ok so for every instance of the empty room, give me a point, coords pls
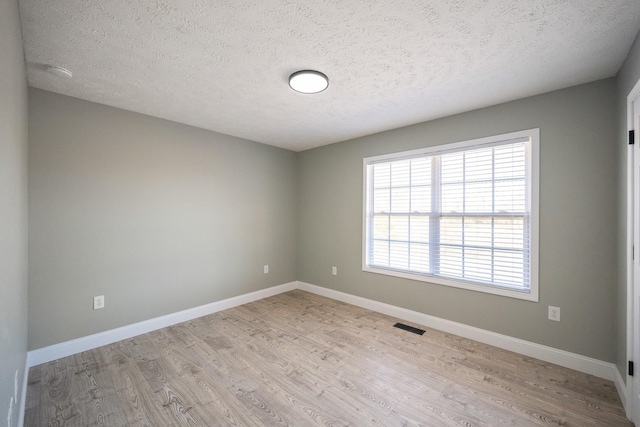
(400, 213)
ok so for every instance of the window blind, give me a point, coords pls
(462, 214)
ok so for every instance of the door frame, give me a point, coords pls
(633, 97)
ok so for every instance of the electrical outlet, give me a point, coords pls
(98, 302)
(554, 313)
(266, 269)
(334, 271)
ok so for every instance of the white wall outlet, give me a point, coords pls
(98, 302)
(554, 313)
(266, 269)
(334, 271)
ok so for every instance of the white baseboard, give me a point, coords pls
(67, 348)
(574, 361)
(23, 393)
(622, 390)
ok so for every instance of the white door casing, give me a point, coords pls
(633, 273)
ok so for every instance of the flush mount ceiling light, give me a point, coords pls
(59, 71)
(308, 81)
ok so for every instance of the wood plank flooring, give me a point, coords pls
(298, 359)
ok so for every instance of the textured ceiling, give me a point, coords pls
(223, 65)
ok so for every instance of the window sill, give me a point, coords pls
(530, 295)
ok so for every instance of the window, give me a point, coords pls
(462, 214)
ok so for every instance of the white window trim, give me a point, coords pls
(533, 293)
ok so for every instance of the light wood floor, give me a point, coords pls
(301, 360)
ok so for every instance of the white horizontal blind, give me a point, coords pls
(462, 214)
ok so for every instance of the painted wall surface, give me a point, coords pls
(156, 216)
(578, 220)
(627, 78)
(13, 211)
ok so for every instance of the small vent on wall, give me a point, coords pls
(409, 328)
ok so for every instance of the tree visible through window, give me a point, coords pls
(460, 214)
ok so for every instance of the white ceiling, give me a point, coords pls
(223, 65)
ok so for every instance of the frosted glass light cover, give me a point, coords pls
(308, 81)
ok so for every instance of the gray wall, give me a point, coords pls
(13, 209)
(578, 214)
(156, 216)
(627, 78)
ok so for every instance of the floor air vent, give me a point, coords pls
(409, 328)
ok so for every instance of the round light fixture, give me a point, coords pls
(308, 81)
(59, 71)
